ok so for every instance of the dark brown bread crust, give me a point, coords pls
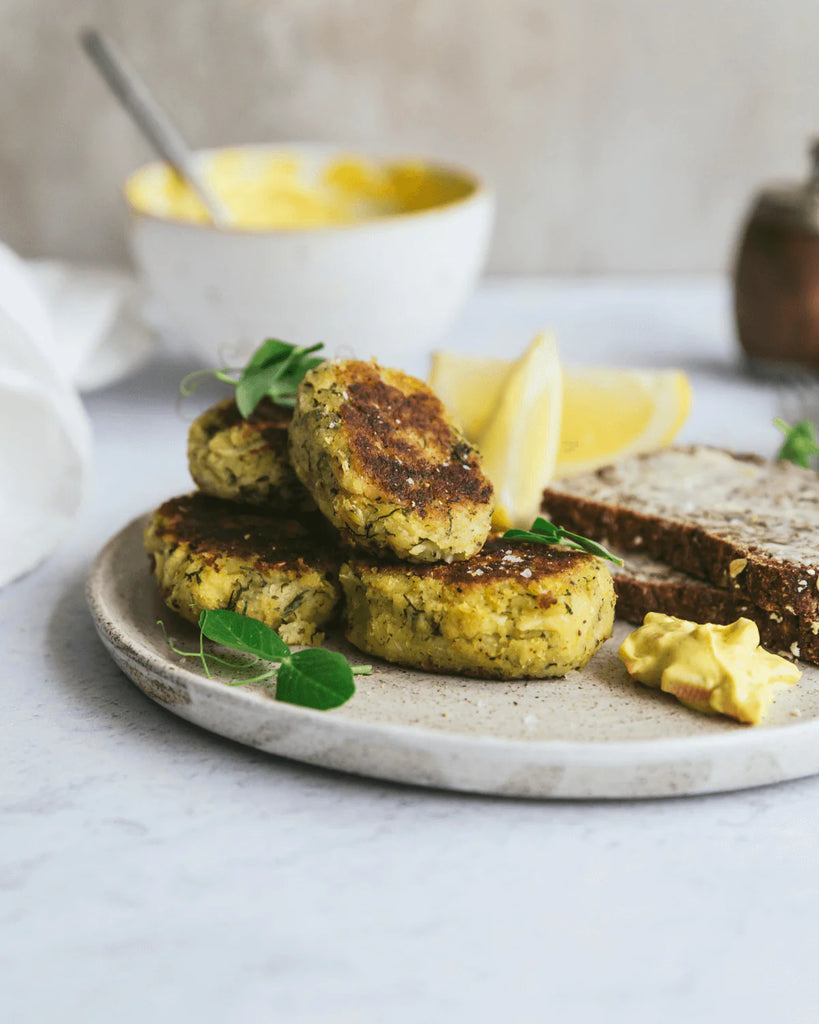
(642, 586)
(714, 553)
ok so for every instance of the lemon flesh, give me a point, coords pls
(470, 387)
(609, 414)
(510, 410)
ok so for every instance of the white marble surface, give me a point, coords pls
(152, 871)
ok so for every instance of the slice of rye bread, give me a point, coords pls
(643, 585)
(739, 522)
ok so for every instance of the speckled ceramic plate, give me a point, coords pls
(592, 734)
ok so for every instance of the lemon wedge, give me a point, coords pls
(531, 427)
(470, 387)
(520, 437)
(609, 414)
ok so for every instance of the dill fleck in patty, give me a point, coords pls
(207, 553)
(245, 459)
(377, 452)
(523, 611)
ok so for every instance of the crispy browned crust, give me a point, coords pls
(246, 459)
(497, 560)
(768, 582)
(401, 440)
(215, 529)
(511, 611)
(376, 451)
(674, 593)
(267, 424)
(207, 553)
(268, 419)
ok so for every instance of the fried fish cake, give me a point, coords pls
(523, 611)
(383, 462)
(207, 553)
(245, 459)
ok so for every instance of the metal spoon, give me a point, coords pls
(152, 121)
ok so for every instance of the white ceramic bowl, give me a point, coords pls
(387, 287)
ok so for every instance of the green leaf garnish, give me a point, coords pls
(312, 678)
(274, 371)
(800, 444)
(268, 352)
(315, 678)
(231, 629)
(544, 532)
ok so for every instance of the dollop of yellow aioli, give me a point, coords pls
(707, 667)
(265, 191)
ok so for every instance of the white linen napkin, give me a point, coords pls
(45, 437)
(62, 328)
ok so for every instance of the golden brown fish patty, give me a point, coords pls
(509, 612)
(245, 459)
(207, 553)
(383, 462)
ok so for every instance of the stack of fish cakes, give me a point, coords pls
(250, 539)
(424, 583)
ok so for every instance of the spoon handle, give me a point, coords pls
(149, 117)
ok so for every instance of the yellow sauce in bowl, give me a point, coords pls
(281, 190)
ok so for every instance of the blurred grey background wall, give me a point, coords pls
(622, 135)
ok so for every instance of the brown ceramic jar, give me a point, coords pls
(776, 277)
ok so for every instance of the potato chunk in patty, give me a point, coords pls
(377, 452)
(523, 611)
(207, 553)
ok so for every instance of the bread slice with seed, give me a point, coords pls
(643, 585)
(739, 522)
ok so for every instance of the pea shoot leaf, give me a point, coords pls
(250, 390)
(274, 371)
(800, 444)
(270, 351)
(315, 678)
(242, 633)
(544, 532)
